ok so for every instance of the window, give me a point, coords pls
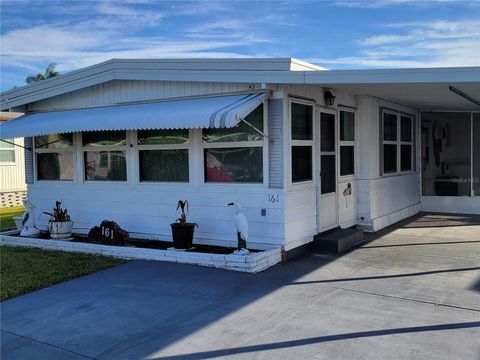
(476, 153)
(450, 153)
(7, 151)
(235, 154)
(163, 155)
(389, 143)
(302, 141)
(347, 143)
(301, 163)
(397, 142)
(327, 153)
(406, 143)
(54, 157)
(105, 155)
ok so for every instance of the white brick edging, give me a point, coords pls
(250, 263)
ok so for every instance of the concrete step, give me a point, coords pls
(338, 240)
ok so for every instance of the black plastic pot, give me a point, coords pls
(183, 235)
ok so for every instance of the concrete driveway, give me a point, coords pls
(412, 292)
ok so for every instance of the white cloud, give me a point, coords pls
(189, 8)
(84, 44)
(81, 33)
(226, 29)
(436, 43)
(415, 31)
(128, 13)
(385, 39)
(376, 4)
(355, 62)
(115, 30)
(120, 29)
(47, 39)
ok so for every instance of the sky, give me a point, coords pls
(336, 34)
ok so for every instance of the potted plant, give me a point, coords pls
(60, 225)
(182, 232)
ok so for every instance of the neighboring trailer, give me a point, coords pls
(12, 167)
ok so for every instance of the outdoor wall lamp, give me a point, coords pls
(329, 98)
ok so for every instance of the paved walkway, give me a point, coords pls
(413, 292)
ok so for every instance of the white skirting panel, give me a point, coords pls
(390, 219)
(451, 204)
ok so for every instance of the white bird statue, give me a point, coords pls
(241, 223)
(28, 219)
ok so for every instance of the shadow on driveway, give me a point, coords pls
(317, 340)
(152, 310)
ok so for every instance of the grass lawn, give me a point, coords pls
(24, 270)
(6, 214)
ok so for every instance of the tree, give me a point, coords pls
(49, 73)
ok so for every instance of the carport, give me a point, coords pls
(448, 105)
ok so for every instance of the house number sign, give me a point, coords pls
(273, 198)
(109, 232)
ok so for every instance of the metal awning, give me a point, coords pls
(206, 112)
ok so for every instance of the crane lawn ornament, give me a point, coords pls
(28, 219)
(241, 223)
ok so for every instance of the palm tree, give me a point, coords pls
(49, 73)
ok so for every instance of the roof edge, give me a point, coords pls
(243, 70)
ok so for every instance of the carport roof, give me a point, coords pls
(421, 88)
(420, 96)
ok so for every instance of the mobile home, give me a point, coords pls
(12, 167)
(303, 149)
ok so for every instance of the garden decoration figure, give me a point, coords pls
(241, 223)
(28, 219)
(347, 192)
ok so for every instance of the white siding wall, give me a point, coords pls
(301, 199)
(383, 200)
(276, 148)
(29, 168)
(119, 91)
(347, 205)
(146, 210)
(300, 216)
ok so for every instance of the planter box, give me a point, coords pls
(182, 235)
(250, 263)
(60, 230)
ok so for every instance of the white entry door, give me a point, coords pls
(327, 184)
